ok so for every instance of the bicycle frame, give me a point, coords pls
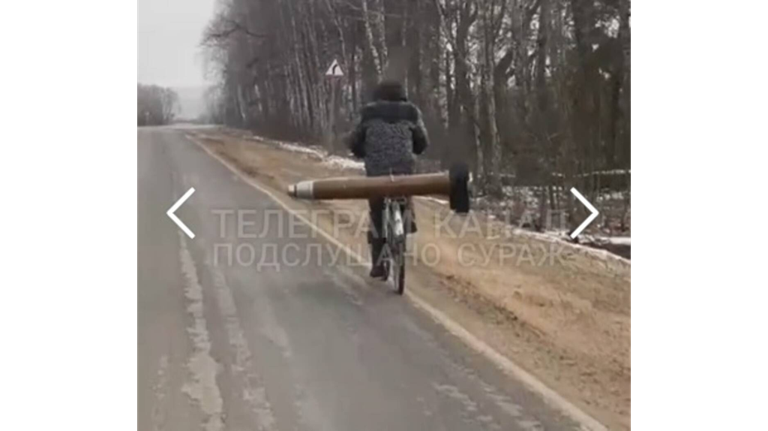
(393, 225)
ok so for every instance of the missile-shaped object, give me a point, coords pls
(454, 184)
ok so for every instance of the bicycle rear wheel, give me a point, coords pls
(398, 267)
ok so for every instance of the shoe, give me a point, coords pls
(413, 227)
(378, 271)
(377, 266)
(411, 219)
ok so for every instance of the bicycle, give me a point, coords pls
(394, 233)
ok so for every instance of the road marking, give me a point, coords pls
(161, 391)
(593, 212)
(203, 389)
(176, 206)
(551, 397)
(455, 393)
(254, 393)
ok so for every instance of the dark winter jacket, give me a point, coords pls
(387, 136)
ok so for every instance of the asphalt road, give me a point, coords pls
(227, 344)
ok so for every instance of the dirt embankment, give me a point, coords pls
(560, 313)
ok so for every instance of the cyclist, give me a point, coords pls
(389, 133)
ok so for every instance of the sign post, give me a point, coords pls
(335, 74)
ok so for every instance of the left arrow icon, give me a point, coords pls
(176, 206)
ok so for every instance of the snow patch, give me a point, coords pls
(561, 239)
(300, 149)
(343, 163)
(433, 199)
(619, 240)
(330, 160)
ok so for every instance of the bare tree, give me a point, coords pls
(156, 105)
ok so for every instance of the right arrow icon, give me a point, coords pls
(591, 209)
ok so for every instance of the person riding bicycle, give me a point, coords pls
(389, 133)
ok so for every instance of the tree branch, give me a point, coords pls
(247, 31)
(473, 14)
(500, 19)
(235, 27)
(531, 9)
(506, 61)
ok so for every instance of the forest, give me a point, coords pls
(532, 93)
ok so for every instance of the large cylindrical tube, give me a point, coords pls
(454, 184)
(372, 187)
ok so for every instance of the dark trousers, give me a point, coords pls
(376, 209)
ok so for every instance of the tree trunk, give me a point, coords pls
(369, 40)
(490, 149)
(624, 153)
(380, 35)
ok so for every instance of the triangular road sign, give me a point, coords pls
(334, 70)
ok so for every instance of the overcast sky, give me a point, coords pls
(169, 38)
